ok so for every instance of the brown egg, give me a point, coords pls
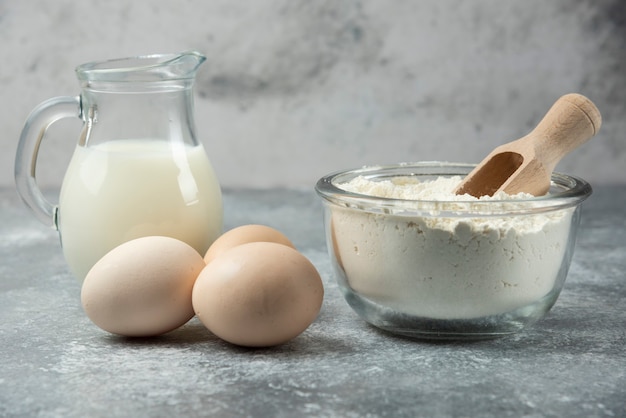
(243, 235)
(142, 287)
(258, 294)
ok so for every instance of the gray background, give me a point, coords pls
(293, 89)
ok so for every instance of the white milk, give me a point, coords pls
(120, 190)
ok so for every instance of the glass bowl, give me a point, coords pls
(449, 269)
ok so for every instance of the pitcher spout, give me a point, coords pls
(184, 65)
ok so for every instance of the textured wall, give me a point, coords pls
(294, 89)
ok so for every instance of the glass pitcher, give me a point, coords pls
(138, 168)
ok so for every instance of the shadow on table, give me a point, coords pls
(194, 336)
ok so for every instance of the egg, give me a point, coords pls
(258, 294)
(245, 234)
(142, 287)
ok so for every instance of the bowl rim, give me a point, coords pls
(565, 191)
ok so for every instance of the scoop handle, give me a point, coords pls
(570, 122)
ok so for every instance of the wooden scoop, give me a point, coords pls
(526, 165)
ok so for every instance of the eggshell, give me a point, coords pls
(258, 294)
(243, 235)
(142, 287)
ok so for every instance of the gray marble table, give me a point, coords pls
(55, 363)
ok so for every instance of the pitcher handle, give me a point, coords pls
(33, 133)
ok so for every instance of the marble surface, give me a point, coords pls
(306, 87)
(55, 363)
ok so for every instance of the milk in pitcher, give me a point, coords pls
(119, 190)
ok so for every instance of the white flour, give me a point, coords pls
(454, 267)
